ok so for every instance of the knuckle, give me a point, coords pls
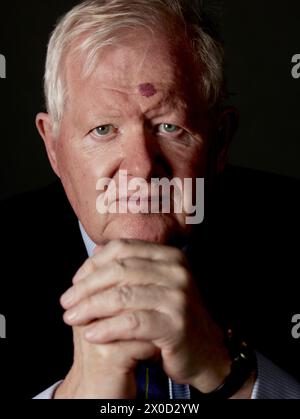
(133, 321)
(178, 255)
(180, 323)
(90, 264)
(89, 304)
(124, 296)
(180, 310)
(118, 266)
(88, 287)
(119, 244)
(106, 352)
(113, 246)
(180, 272)
(80, 291)
(180, 300)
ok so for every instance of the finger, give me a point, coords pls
(139, 325)
(128, 353)
(87, 266)
(121, 249)
(139, 350)
(98, 249)
(123, 353)
(115, 300)
(123, 272)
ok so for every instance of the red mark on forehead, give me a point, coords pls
(147, 89)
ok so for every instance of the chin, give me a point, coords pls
(155, 228)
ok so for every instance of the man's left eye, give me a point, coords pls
(169, 129)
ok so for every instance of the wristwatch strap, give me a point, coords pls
(243, 365)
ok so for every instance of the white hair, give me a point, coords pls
(101, 23)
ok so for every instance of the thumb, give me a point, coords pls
(85, 270)
(98, 249)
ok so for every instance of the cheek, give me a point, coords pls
(71, 167)
(75, 166)
(78, 177)
(80, 170)
(189, 162)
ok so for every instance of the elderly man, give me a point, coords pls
(136, 87)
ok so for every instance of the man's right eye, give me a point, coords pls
(104, 130)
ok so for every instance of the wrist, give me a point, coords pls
(216, 368)
(238, 382)
(103, 385)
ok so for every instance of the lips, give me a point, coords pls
(139, 198)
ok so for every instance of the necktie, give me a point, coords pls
(152, 382)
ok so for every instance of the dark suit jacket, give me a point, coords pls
(245, 257)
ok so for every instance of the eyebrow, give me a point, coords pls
(164, 106)
(171, 101)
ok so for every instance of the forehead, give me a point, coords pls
(139, 62)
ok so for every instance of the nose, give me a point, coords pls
(140, 154)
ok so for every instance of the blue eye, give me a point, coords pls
(104, 130)
(168, 128)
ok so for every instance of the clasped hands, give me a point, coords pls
(132, 301)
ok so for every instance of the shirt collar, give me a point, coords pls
(89, 244)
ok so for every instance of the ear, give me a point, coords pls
(44, 125)
(226, 128)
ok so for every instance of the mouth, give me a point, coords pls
(145, 199)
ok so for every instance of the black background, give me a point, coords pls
(260, 37)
